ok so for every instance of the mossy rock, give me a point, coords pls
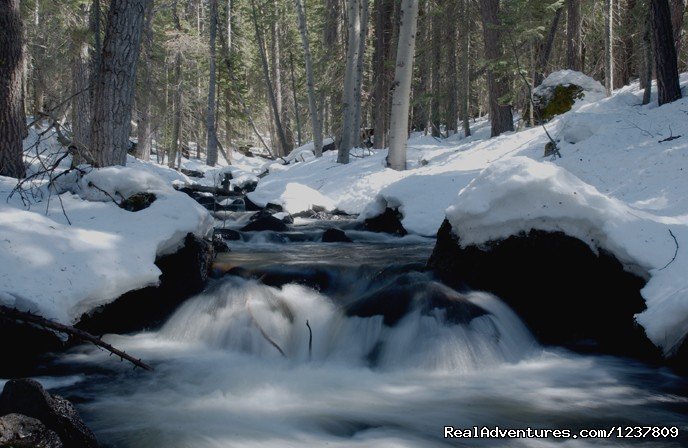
(558, 101)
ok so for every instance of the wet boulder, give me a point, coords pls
(414, 291)
(566, 293)
(335, 236)
(20, 431)
(27, 397)
(227, 234)
(265, 223)
(387, 222)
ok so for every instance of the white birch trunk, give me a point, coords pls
(312, 106)
(348, 106)
(401, 97)
(609, 45)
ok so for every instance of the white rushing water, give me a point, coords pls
(220, 382)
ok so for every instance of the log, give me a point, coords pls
(218, 191)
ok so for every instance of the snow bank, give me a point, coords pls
(620, 158)
(61, 270)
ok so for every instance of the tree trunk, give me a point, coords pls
(211, 125)
(348, 97)
(398, 136)
(573, 35)
(466, 57)
(498, 83)
(435, 24)
(646, 75)
(114, 89)
(268, 84)
(454, 84)
(678, 10)
(365, 16)
(295, 96)
(81, 103)
(609, 46)
(668, 87)
(11, 108)
(176, 97)
(546, 49)
(312, 100)
(384, 12)
(145, 125)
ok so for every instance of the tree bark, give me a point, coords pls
(454, 81)
(11, 107)
(466, 57)
(398, 136)
(384, 13)
(81, 103)
(349, 93)
(498, 83)
(678, 10)
(573, 35)
(435, 24)
(646, 75)
(266, 73)
(365, 16)
(211, 125)
(668, 88)
(609, 46)
(312, 100)
(145, 125)
(546, 49)
(114, 89)
(177, 96)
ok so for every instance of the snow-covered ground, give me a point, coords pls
(621, 185)
(61, 270)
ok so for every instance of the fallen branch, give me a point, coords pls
(218, 191)
(35, 319)
(310, 340)
(675, 252)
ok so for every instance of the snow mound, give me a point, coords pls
(593, 90)
(62, 270)
(518, 194)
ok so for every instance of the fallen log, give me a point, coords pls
(13, 313)
(217, 191)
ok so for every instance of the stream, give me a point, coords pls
(358, 369)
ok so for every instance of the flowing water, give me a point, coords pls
(356, 369)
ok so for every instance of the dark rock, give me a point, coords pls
(206, 201)
(329, 147)
(388, 222)
(316, 278)
(395, 298)
(264, 223)
(137, 202)
(564, 292)
(273, 208)
(184, 274)
(219, 245)
(335, 236)
(227, 234)
(679, 360)
(288, 219)
(20, 431)
(251, 206)
(27, 397)
(248, 187)
(226, 178)
(192, 173)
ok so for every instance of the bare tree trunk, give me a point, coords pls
(466, 58)
(114, 89)
(211, 125)
(678, 10)
(546, 49)
(365, 16)
(11, 108)
(398, 136)
(268, 84)
(668, 88)
(348, 97)
(646, 75)
(81, 103)
(176, 97)
(609, 46)
(454, 81)
(384, 12)
(145, 125)
(435, 24)
(312, 104)
(498, 83)
(294, 91)
(573, 35)
(96, 16)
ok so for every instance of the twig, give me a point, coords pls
(671, 136)
(14, 313)
(310, 340)
(91, 184)
(675, 253)
(262, 332)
